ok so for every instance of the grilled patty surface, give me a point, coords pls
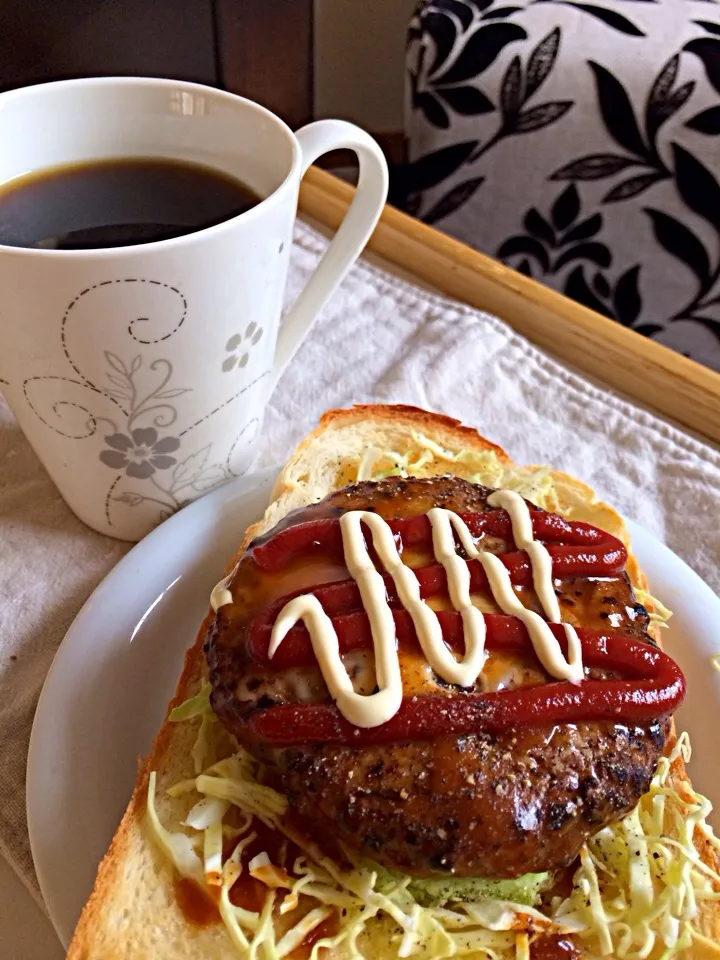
(479, 805)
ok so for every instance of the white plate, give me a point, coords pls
(106, 692)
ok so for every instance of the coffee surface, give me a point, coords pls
(117, 203)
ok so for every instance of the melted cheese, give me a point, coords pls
(370, 711)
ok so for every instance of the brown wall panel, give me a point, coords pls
(266, 50)
(53, 39)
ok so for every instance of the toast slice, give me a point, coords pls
(134, 910)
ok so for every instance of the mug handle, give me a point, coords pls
(352, 235)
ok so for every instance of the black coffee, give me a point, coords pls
(117, 203)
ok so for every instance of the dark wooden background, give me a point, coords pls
(258, 48)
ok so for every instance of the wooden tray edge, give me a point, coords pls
(641, 368)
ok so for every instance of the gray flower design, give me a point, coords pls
(141, 453)
(238, 346)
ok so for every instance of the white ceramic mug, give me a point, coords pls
(139, 374)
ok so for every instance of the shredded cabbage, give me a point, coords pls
(439, 890)
(428, 458)
(207, 811)
(176, 845)
(364, 470)
(295, 936)
(202, 751)
(193, 707)
(212, 853)
(251, 797)
(640, 882)
(659, 615)
(635, 894)
(423, 919)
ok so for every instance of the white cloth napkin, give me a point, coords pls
(379, 339)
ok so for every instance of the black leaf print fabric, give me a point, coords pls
(595, 167)
(433, 110)
(617, 111)
(481, 49)
(631, 187)
(707, 121)
(665, 82)
(578, 141)
(512, 117)
(681, 243)
(566, 208)
(558, 240)
(577, 287)
(541, 61)
(537, 226)
(708, 50)
(529, 246)
(453, 199)
(661, 112)
(437, 166)
(708, 26)
(584, 230)
(593, 252)
(501, 13)
(466, 100)
(443, 32)
(610, 17)
(620, 121)
(626, 297)
(697, 186)
(454, 47)
(542, 116)
(463, 11)
(511, 91)
(663, 101)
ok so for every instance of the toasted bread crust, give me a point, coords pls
(98, 935)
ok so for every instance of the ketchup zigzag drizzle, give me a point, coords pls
(655, 688)
(654, 685)
(585, 550)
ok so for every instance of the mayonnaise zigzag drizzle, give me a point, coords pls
(221, 595)
(377, 708)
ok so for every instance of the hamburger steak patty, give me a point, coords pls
(476, 806)
(479, 805)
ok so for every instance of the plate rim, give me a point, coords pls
(208, 504)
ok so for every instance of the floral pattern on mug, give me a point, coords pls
(141, 453)
(144, 453)
(239, 345)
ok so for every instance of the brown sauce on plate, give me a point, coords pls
(328, 928)
(556, 948)
(196, 904)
